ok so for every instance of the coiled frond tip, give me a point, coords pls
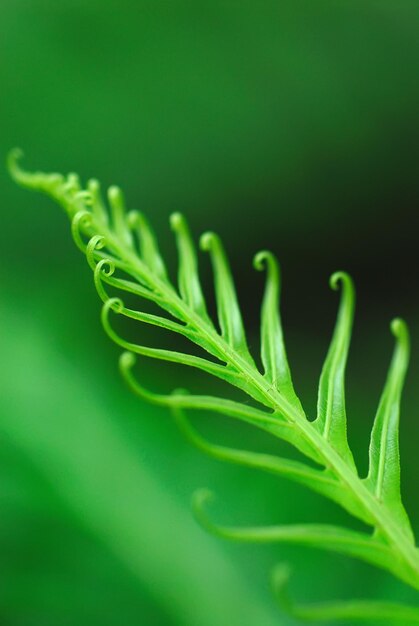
(340, 277)
(127, 361)
(264, 259)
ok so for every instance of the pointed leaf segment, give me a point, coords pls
(331, 412)
(384, 468)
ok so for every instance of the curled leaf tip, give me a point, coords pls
(80, 224)
(200, 499)
(208, 240)
(97, 242)
(13, 158)
(93, 185)
(114, 193)
(134, 219)
(341, 278)
(114, 304)
(32, 180)
(15, 154)
(399, 329)
(20, 175)
(127, 361)
(264, 259)
(177, 221)
(73, 180)
(106, 267)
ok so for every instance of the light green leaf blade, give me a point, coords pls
(331, 411)
(98, 205)
(48, 183)
(149, 250)
(228, 309)
(119, 216)
(188, 278)
(273, 353)
(384, 456)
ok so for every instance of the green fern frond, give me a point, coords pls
(350, 611)
(122, 251)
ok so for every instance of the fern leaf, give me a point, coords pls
(229, 315)
(122, 251)
(97, 203)
(331, 412)
(273, 353)
(119, 219)
(148, 248)
(384, 467)
(189, 284)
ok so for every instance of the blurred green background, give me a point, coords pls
(291, 125)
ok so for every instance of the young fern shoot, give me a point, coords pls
(123, 254)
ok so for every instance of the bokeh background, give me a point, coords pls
(289, 124)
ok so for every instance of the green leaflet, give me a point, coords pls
(149, 250)
(97, 203)
(189, 285)
(384, 467)
(119, 219)
(331, 412)
(48, 183)
(123, 254)
(229, 315)
(273, 352)
(354, 610)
